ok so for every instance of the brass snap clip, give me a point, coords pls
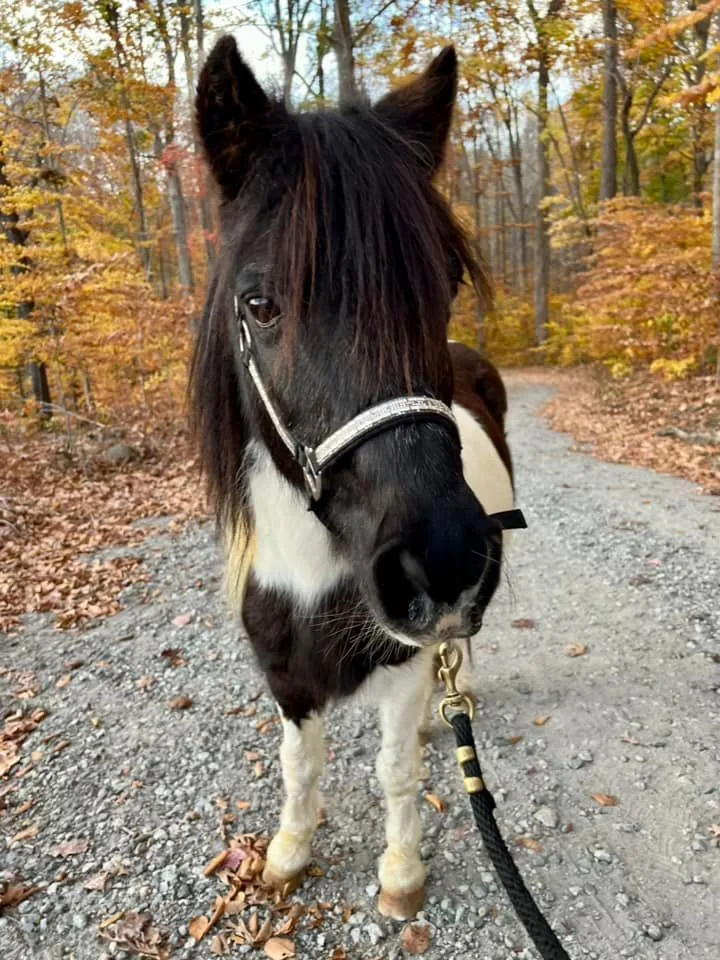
(450, 662)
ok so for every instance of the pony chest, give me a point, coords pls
(293, 552)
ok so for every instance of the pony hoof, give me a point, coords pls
(284, 885)
(401, 906)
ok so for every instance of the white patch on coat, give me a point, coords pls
(484, 471)
(302, 756)
(293, 552)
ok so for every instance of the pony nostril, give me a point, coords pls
(402, 585)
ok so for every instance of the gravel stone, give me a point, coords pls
(547, 816)
(647, 676)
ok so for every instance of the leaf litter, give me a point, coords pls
(249, 911)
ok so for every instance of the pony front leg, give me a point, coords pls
(402, 712)
(302, 755)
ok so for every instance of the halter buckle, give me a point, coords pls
(312, 473)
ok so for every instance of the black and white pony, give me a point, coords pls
(353, 454)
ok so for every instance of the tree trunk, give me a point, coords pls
(174, 183)
(37, 372)
(343, 43)
(542, 225)
(716, 193)
(608, 177)
(177, 212)
(206, 219)
(18, 236)
(631, 177)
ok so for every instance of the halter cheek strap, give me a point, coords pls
(315, 461)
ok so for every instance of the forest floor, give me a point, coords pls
(136, 749)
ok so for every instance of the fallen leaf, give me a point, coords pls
(243, 804)
(25, 834)
(180, 703)
(216, 863)
(219, 945)
(198, 927)
(249, 711)
(291, 921)
(24, 807)
(523, 623)
(529, 843)
(415, 938)
(98, 881)
(70, 849)
(541, 721)
(576, 649)
(263, 726)
(183, 620)
(437, 803)
(339, 953)
(144, 683)
(259, 769)
(605, 799)
(174, 655)
(251, 755)
(109, 921)
(64, 681)
(514, 739)
(279, 948)
(13, 894)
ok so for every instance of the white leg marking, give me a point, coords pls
(302, 755)
(402, 710)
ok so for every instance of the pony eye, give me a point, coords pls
(263, 311)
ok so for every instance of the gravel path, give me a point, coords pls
(618, 559)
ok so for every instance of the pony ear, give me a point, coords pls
(422, 110)
(233, 115)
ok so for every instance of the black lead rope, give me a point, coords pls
(483, 805)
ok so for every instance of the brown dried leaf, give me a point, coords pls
(145, 682)
(252, 755)
(28, 833)
(264, 933)
(529, 843)
(98, 881)
(216, 863)
(514, 739)
(243, 804)
(523, 623)
(259, 769)
(291, 921)
(415, 938)
(64, 681)
(13, 894)
(279, 948)
(605, 799)
(183, 620)
(339, 953)
(576, 649)
(180, 703)
(70, 849)
(541, 721)
(219, 945)
(436, 802)
(174, 655)
(198, 927)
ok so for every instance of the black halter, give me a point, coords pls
(315, 461)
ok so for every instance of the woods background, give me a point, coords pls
(581, 161)
(585, 162)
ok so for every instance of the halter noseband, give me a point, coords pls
(315, 461)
